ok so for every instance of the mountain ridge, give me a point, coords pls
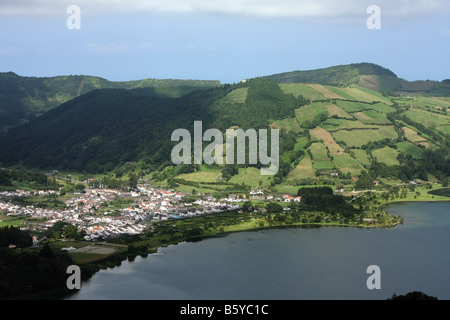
(324, 128)
(25, 98)
(368, 75)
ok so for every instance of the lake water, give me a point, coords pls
(293, 263)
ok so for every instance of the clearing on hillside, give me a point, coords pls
(347, 164)
(301, 89)
(335, 110)
(320, 157)
(204, 175)
(387, 155)
(361, 156)
(327, 139)
(360, 137)
(250, 176)
(303, 170)
(238, 95)
(289, 124)
(412, 135)
(411, 148)
(327, 93)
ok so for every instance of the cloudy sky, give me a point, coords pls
(226, 40)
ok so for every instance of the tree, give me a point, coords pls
(247, 206)
(80, 187)
(414, 295)
(274, 207)
(132, 180)
(365, 181)
(12, 235)
(70, 231)
(46, 251)
(228, 171)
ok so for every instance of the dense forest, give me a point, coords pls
(25, 98)
(29, 270)
(104, 129)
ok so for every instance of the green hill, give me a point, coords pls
(25, 98)
(366, 75)
(331, 129)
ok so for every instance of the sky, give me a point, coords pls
(225, 40)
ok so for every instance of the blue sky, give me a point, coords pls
(226, 40)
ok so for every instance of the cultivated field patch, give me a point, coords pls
(335, 110)
(238, 95)
(360, 137)
(320, 157)
(387, 155)
(303, 170)
(327, 93)
(347, 164)
(327, 139)
(412, 135)
(301, 89)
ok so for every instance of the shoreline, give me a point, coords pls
(107, 262)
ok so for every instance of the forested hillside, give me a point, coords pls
(345, 130)
(25, 98)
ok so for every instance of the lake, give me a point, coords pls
(293, 263)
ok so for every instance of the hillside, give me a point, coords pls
(331, 134)
(344, 131)
(367, 75)
(25, 98)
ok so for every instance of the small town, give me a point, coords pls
(146, 204)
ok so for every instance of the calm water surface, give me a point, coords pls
(293, 263)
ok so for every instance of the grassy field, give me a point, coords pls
(307, 113)
(11, 221)
(325, 91)
(412, 135)
(87, 252)
(364, 95)
(351, 107)
(428, 119)
(320, 157)
(289, 124)
(371, 117)
(387, 155)
(301, 89)
(347, 164)
(251, 177)
(334, 124)
(236, 96)
(206, 174)
(373, 95)
(339, 112)
(303, 170)
(361, 156)
(328, 140)
(409, 148)
(301, 143)
(360, 137)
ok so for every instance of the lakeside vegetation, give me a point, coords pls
(320, 208)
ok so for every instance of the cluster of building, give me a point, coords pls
(96, 213)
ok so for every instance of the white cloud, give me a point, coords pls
(303, 9)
